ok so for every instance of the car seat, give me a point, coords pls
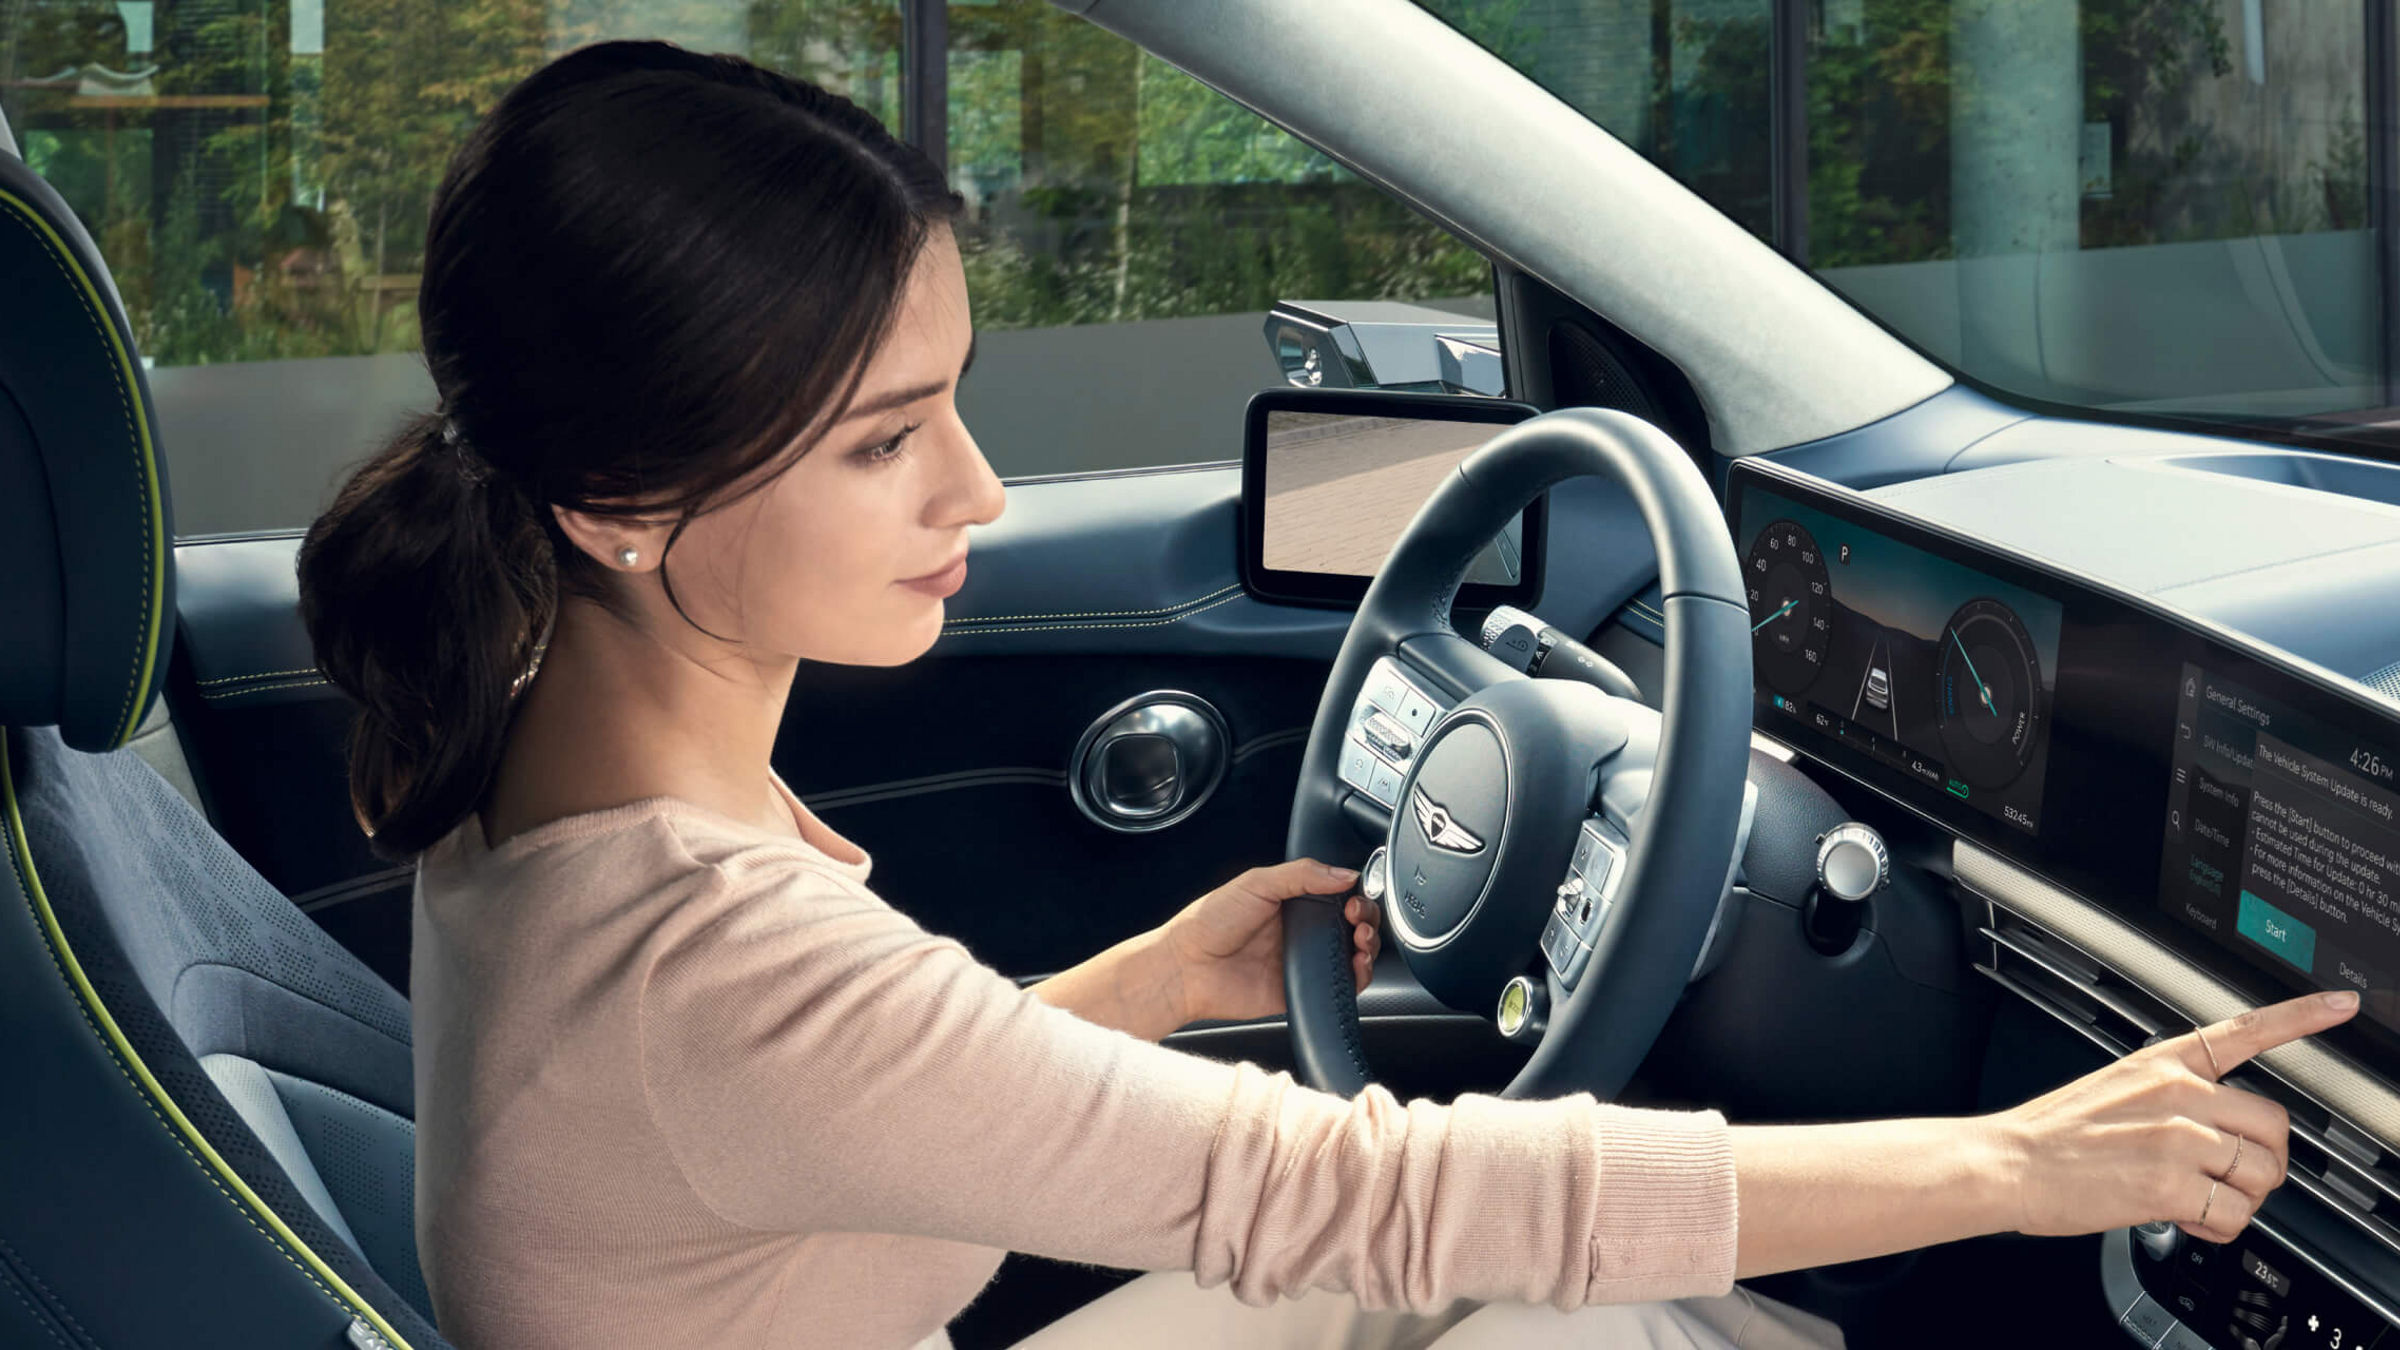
(206, 1139)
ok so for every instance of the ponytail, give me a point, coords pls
(427, 590)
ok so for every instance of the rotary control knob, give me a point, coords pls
(1852, 863)
(2159, 1240)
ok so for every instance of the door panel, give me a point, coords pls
(960, 794)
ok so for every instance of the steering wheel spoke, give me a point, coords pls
(1459, 666)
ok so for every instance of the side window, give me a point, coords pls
(1131, 230)
(258, 173)
(1684, 82)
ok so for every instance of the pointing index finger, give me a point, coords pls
(2243, 1037)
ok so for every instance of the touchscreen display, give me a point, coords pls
(2281, 840)
(1935, 669)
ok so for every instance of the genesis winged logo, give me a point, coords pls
(1442, 830)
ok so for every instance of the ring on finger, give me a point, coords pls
(2240, 1142)
(2202, 1221)
(2200, 1034)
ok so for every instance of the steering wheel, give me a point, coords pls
(1529, 807)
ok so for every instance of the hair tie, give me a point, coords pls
(472, 467)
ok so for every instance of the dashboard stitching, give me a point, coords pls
(1061, 627)
(969, 620)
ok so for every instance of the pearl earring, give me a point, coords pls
(629, 555)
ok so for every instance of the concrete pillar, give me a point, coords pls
(2016, 113)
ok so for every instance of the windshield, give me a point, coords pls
(2146, 208)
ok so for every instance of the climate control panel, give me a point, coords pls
(2257, 1292)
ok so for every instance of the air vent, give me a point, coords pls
(2332, 1159)
(2053, 975)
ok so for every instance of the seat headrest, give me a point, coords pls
(87, 572)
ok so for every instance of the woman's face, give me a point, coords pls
(846, 556)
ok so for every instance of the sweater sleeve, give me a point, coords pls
(815, 1061)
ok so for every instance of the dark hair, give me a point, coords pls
(648, 273)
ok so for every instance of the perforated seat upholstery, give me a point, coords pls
(205, 1138)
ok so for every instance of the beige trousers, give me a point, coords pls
(1168, 1309)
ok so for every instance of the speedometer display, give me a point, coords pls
(1791, 606)
(1882, 651)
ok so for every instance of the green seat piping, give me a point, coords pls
(154, 525)
(179, 1126)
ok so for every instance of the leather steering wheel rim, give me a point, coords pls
(1684, 837)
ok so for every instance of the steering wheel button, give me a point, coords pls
(1384, 785)
(1416, 711)
(1390, 739)
(1572, 957)
(1385, 688)
(1358, 767)
(1595, 872)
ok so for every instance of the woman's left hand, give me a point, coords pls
(1228, 944)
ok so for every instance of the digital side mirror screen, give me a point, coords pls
(1330, 479)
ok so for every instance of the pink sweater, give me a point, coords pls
(684, 1081)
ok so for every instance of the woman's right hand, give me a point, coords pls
(2146, 1138)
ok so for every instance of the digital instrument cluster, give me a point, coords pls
(2235, 804)
(1932, 668)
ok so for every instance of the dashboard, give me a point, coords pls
(2231, 802)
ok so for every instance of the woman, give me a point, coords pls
(682, 1079)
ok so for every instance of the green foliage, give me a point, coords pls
(1878, 137)
(1105, 184)
(1190, 133)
